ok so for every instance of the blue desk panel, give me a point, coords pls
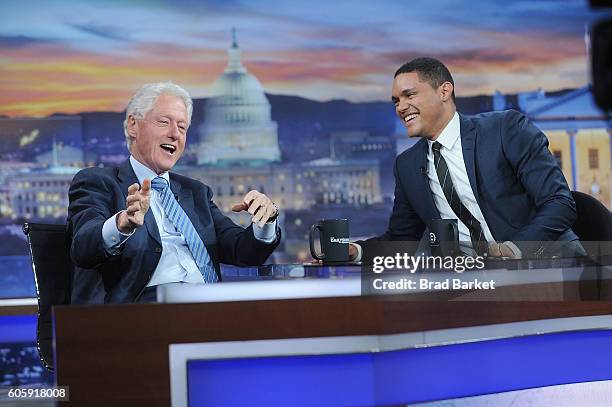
(403, 376)
(18, 328)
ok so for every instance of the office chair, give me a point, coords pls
(50, 252)
(593, 226)
(594, 220)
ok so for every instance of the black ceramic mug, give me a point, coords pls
(334, 238)
(444, 237)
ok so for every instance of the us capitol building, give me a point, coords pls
(238, 150)
(238, 128)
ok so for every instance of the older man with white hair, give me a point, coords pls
(139, 225)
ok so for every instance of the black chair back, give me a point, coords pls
(594, 229)
(594, 220)
(50, 251)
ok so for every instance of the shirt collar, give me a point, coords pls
(142, 171)
(450, 134)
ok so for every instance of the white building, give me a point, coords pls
(239, 151)
(238, 128)
(580, 136)
(41, 193)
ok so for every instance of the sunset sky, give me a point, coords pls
(66, 56)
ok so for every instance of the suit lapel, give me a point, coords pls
(468, 143)
(127, 177)
(423, 181)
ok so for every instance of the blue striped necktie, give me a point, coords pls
(181, 222)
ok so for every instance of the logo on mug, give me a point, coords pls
(432, 237)
(343, 240)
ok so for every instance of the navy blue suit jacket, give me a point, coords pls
(517, 182)
(96, 194)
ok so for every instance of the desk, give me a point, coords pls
(119, 354)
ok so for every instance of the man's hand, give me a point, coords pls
(258, 205)
(501, 250)
(353, 252)
(137, 204)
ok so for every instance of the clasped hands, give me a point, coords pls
(502, 249)
(138, 201)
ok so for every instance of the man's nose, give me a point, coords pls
(175, 131)
(402, 107)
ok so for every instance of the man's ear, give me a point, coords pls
(131, 126)
(446, 91)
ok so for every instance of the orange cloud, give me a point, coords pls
(41, 79)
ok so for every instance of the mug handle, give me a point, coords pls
(313, 252)
(455, 246)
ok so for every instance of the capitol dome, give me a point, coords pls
(235, 88)
(238, 128)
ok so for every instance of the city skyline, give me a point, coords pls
(66, 58)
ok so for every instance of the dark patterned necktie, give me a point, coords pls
(479, 242)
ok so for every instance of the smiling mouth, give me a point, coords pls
(169, 148)
(410, 117)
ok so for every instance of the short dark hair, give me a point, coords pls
(429, 70)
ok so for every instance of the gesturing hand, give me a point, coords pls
(137, 204)
(258, 205)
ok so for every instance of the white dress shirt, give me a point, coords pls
(176, 263)
(450, 138)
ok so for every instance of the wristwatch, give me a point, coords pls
(273, 217)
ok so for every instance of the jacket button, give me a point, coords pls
(158, 250)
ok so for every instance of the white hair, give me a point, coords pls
(143, 100)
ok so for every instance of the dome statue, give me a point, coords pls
(237, 128)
